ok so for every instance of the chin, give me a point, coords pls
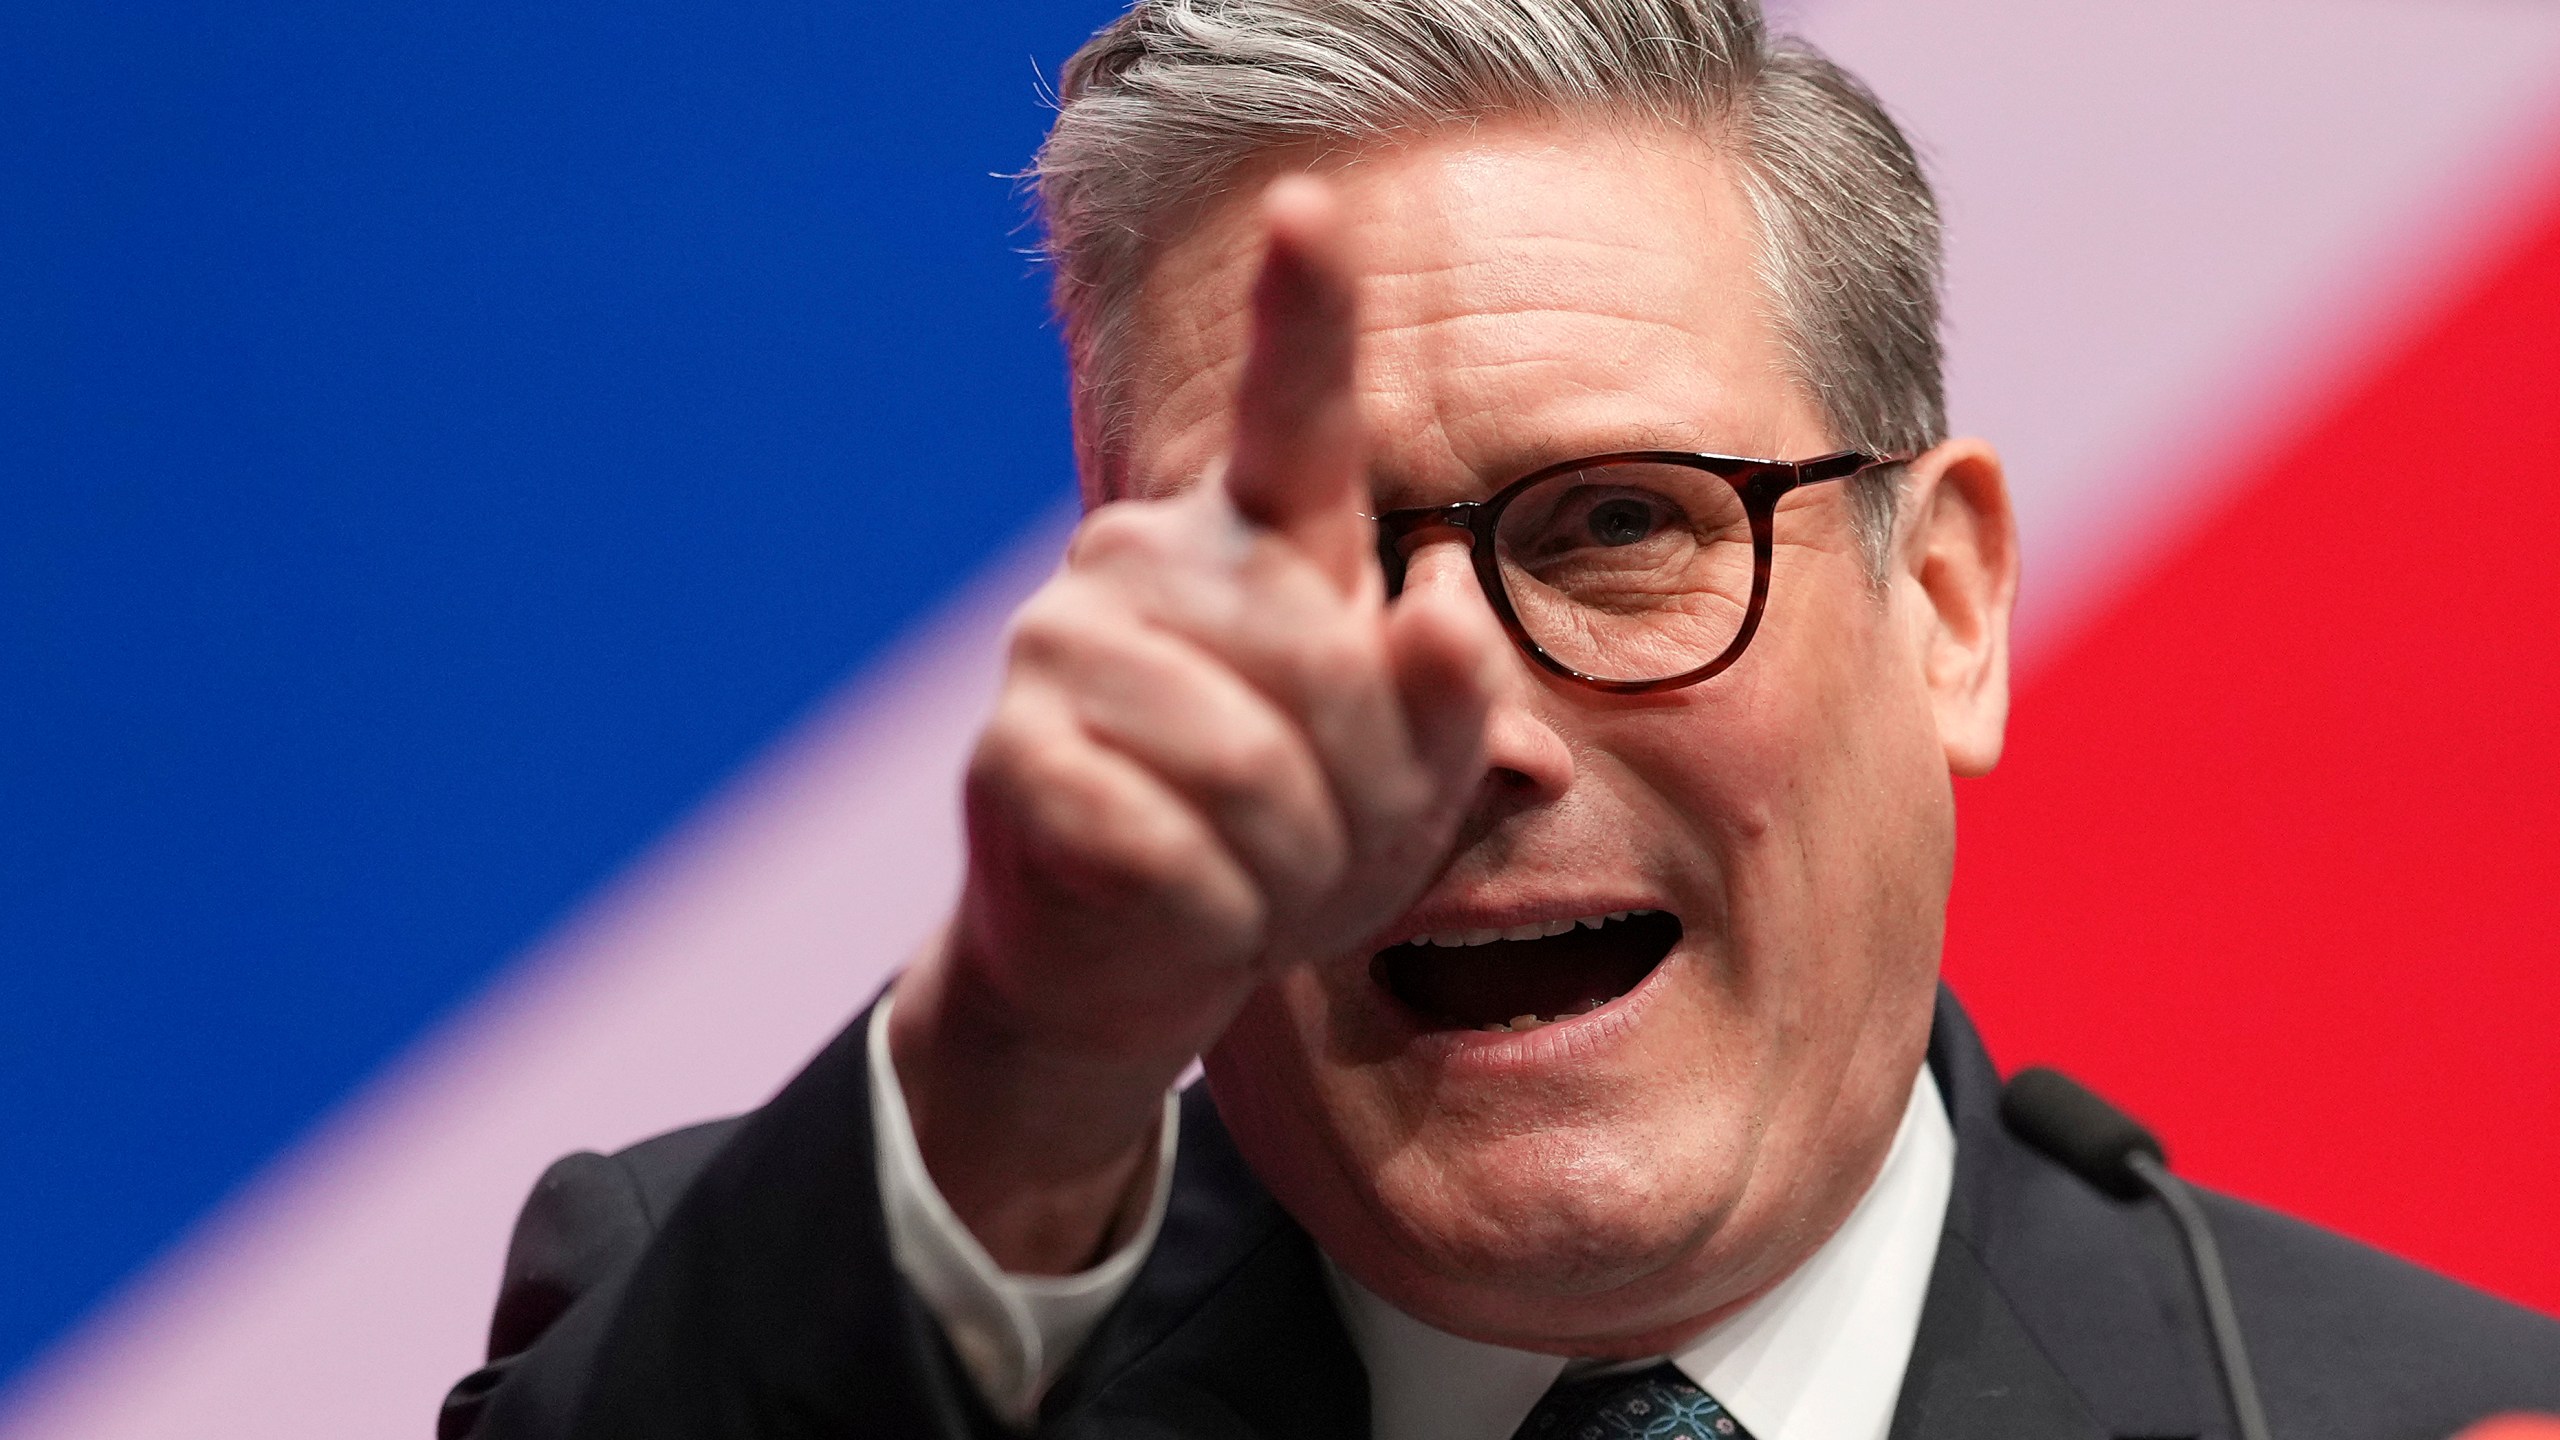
(1553, 1268)
(1561, 1227)
(1549, 1232)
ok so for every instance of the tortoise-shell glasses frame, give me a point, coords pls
(1758, 484)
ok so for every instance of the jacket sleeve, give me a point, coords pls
(1014, 1334)
(755, 1295)
(584, 1220)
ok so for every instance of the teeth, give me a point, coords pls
(1519, 1023)
(1535, 930)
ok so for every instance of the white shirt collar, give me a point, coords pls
(1819, 1357)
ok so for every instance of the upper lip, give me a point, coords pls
(1458, 920)
(1534, 930)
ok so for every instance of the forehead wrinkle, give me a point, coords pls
(1568, 314)
(1217, 371)
(1512, 367)
(1542, 394)
(1495, 439)
(1518, 252)
(1585, 279)
(1604, 316)
(1175, 345)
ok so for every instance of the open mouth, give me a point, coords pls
(1527, 976)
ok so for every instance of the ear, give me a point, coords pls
(1959, 557)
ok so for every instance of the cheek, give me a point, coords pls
(1714, 773)
(1841, 901)
(1279, 1073)
(1259, 1076)
(1269, 1047)
(1827, 713)
(1807, 793)
(1312, 1122)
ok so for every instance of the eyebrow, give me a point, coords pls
(1682, 434)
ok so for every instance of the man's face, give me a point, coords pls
(1533, 292)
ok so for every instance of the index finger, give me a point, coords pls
(1298, 454)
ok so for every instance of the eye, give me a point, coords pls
(1622, 520)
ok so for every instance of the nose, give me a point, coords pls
(1435, 558)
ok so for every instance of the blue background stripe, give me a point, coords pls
(437, 443)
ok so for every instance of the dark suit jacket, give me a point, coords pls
(734, 1279)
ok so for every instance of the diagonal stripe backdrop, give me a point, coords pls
(440, 450)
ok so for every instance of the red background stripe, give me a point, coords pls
(2272, 857)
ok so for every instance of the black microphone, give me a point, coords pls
(2108, 1148)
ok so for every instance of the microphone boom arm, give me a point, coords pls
(2220, 1317)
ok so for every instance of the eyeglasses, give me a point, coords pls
(1632, 572)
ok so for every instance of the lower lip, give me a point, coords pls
(1558, 1044)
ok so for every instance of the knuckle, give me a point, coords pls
(1247, 760)
(1043, 634)
(1150, 856)
(1059, 619)
(1340, 655)
(1081, 835)
(1127, 857)
(1402, 801)
(1121, 532)
(1320, 861)
(1079, 821)
(1012, 750)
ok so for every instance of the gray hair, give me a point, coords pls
(1165, 107)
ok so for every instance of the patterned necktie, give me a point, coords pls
(1655, 1404)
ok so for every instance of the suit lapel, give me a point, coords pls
(2052, 1309)
(1976, 1374)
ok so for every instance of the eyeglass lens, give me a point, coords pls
(1628, 571)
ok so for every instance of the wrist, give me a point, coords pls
(1041, 1148)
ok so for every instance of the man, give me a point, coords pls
(1499, 714)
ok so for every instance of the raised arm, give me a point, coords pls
(1217, 754)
